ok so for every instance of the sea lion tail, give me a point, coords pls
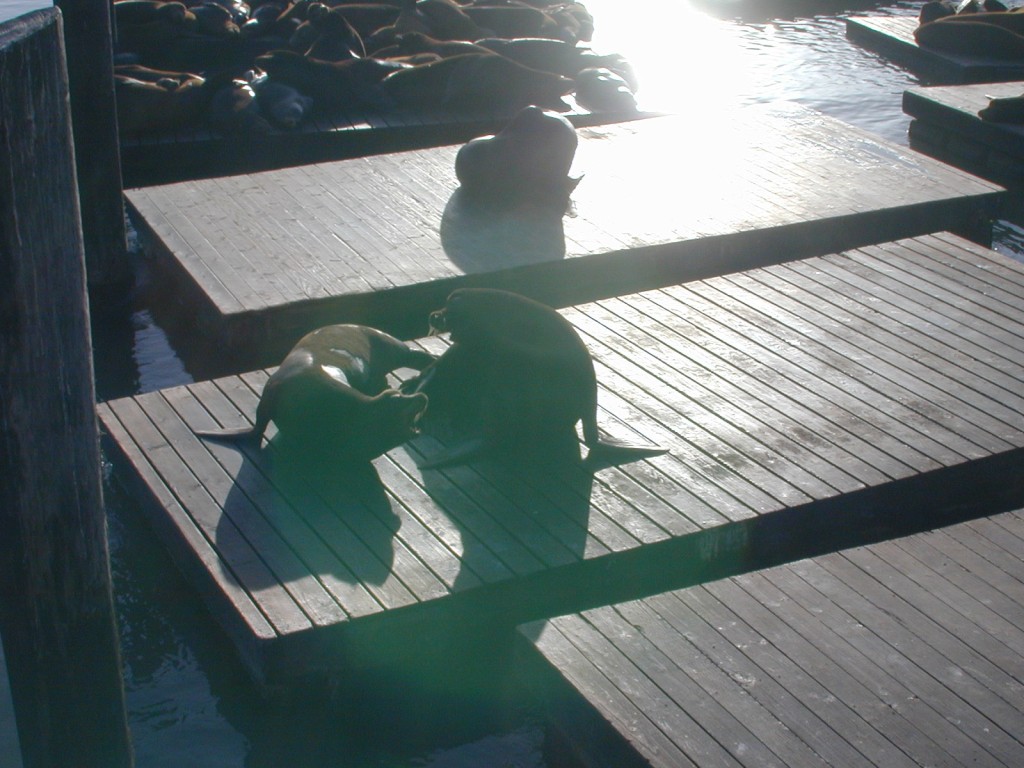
(605, 454)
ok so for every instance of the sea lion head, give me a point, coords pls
(486, 317)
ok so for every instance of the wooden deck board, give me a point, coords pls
(805, 405)
(906, 652)
(946, 125)
(352, 240)
(893, 37)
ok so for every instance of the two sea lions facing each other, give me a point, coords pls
(330, 395)
(516, 378)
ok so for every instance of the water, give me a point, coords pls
(189, 701)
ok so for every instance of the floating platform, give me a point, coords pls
(807, 407)
(893, 37)
(198, 153)
(904, 653)
(263, 258)
(946, 126)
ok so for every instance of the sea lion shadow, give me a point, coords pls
(303, 512)
(483, 235)
(523, 503)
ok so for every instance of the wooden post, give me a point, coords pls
(56, 610)
(88, 45)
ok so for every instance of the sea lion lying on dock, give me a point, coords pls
(997, 35)
(476, 81)
(152, 100)
(529, 159)
(517, 377)
(330, 394)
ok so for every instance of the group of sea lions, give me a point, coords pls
(516, 377)
(985, 29)
(260, 66)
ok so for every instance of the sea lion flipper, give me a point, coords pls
(606, 454)
(461, 453)
(237, 434)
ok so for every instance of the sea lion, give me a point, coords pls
(529, 158)
(330, 393)
(331, 83)
(447, 20)
(989, 35)
(517, 376)
(494, 82)
(150, 100)
(601, 90)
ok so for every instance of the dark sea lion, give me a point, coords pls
(330, 83)
(447, 20)
(515, 21)
(152, 100)
(973, 35)
(424, 85)
(516, 376)
(529, 158)
(494, 82)
(416, 42)
(330, 393)
(1006, 109)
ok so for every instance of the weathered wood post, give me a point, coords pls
(56, 610)
(88, 47)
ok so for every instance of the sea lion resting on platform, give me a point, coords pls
(995, 35)
(330, 395)
(517, 376)
(529, 159)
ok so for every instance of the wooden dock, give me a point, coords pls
(893, 37)
(265, 257)
(807, 407)
(904, 653)
(946, 126)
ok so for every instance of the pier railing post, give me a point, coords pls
(88, 47)
(56, 608)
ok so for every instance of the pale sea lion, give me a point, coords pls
(330, 394)
(601, 90)
(517, 376)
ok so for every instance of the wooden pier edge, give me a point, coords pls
(402, 311)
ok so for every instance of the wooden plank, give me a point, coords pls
(383, 239)
(873, 656)
(805, 406)
(947, 126)
(893, 37)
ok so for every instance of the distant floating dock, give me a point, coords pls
(946, 126)
(807, 407)
(264, 257)
(893, 37)
(904, 653)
